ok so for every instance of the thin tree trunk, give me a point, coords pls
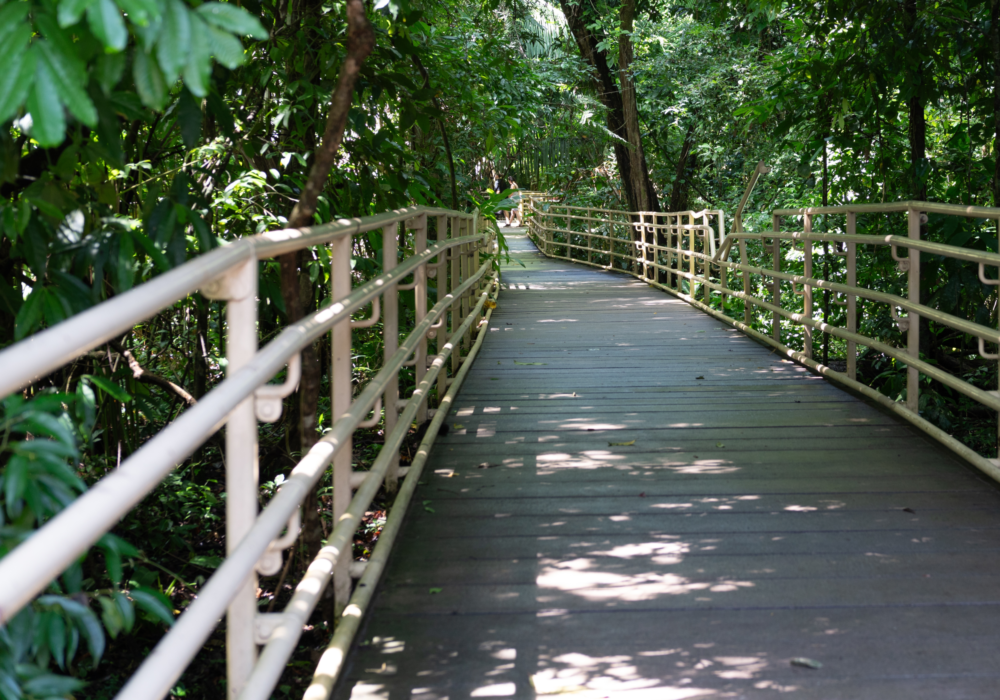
(607, 92)
(995, 46)
(682, 177)
(360, 41)
(639, 173)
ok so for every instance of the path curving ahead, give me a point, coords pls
(756, 514)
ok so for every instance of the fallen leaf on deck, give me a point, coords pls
(458, 426)
(699, 377)
(909, 510)
(487, 465)
(806, 663)
(719, 444)
(621, 444)
(432, 591)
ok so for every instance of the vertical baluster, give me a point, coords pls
(852, 299)
(442, 292)
(241, 473)
(776, 282)
(807, 305)
(390, 343)
(913, 219)
(723, 269)
(456, 274)
(420, 307)
(466, 261)
(341, 391)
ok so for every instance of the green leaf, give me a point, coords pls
(109, 387)
(175, 40)
(154, 603)
(30, 314)
(111, 616)
(108, 70)
(18, 69)
(69, 78)
(49, 685)
(15, 478)
(189, 119)
(226, 48)
(126, 610)
(140, 12)
(45, 424)
(86, 408)
(106, 23)
(434, 591)
(70, 11)
(86, 622)
(233, 19)
(56, 633)
(208, 562)
(149, 82)
(48, 121)
(198, 70)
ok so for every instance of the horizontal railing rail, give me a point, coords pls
(681, 259)
(243, 399)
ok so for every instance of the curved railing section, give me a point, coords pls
(688, 255)
(458, 257)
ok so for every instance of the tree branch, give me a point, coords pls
(146, 377)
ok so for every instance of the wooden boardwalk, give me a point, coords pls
(756, 514)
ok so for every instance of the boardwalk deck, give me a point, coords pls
(761, 514)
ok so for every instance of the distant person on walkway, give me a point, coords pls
(513, 214)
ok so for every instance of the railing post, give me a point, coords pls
(807, 298)
(745, 262)
(341, 393)
(852, 299)
(456, 273)
(390, 343)
(420, 308)
(241, 474)
(442, 292)
(590, 237)
(466, 263)
(723, 269)
(914, 219)
(775, 281)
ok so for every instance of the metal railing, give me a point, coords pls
(254, 540)
(687, 255)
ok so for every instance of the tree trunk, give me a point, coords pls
(639, 172)
(686, 163)
(995, 46)
(611, 98)
(295, 285)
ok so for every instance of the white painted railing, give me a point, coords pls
(464, 281)
(687, 254)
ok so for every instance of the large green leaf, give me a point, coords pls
(140, 12)
(70, 11)
(108, 70)
(226, 48)
(175, 40)
(198, 70)
(233, 19)
(149, 82)
(48, 122)
(106, 23)
(189, 119)
(18, 70)
(67, 71)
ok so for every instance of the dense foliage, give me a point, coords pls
(137, 134)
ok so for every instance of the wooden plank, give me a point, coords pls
(762, 514)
